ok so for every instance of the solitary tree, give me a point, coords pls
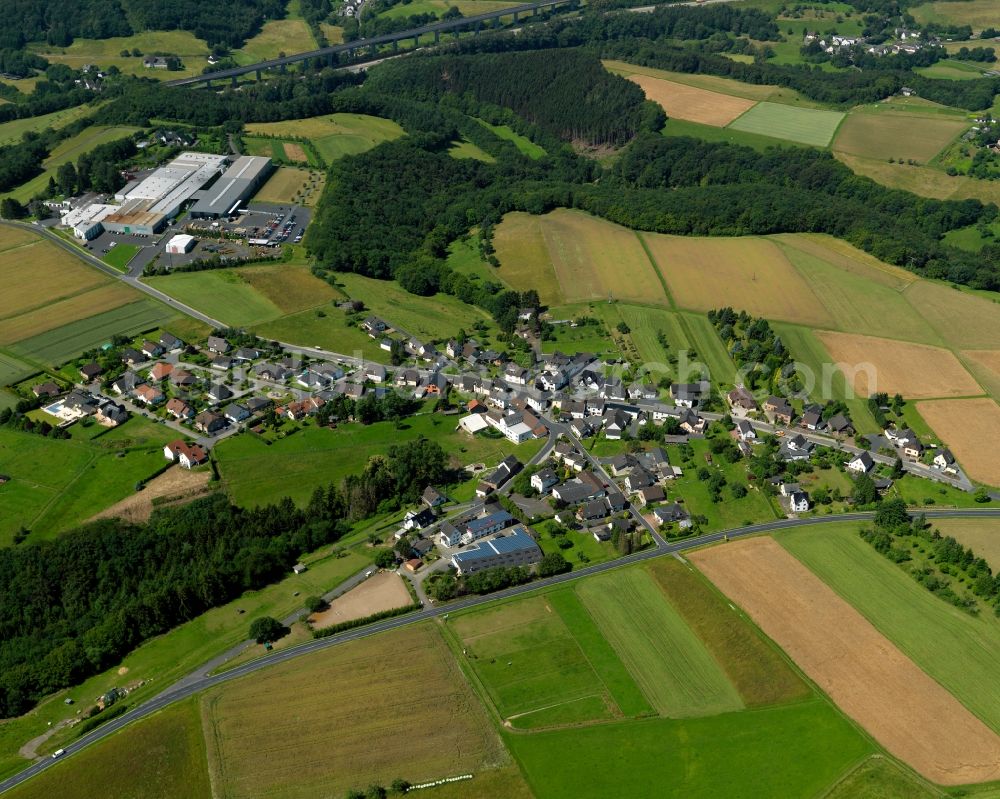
(266, 629)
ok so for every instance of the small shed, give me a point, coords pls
(298, 568)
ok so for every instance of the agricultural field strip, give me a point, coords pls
(870, 679)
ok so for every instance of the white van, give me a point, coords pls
(58, 753)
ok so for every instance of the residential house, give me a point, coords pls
(218, 345)
(236, 413)
(127, 383)
(688, 395)
(670, 514)
(449, 535)
(272, 372)
(861, 464)
(219, 392)
(506, 470)
(812, 419)
(222, 363)
(913, 448)
(151, 349)
(745, 431)
(518, 548)
(181, 378)
(433, 498)
(582, 428)
(187, 455)
(209, 422)
(583, 488)
(615, 424)
(111, 414)
(246, 354)
(651, 494)
(170, 342)
(779, 410)
(179, 409)
(516, 375)
(374, 326)
(543, 480)
(90, 371)
(592, 511)
(148, 395)
(48, 389)
(376, 372)
(492, 523)
(741, 402)
(787, 489)
(132, 357)
(616, 501)
(691, 422)
(638, 479)
(419, 519)
(945, 461)
(840, 425)
(256, 404)
(798, 502)
(161, 371)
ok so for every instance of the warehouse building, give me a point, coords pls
(87, 220)
(516, 548)
(147, 205)
(181, 243)
(238, 184)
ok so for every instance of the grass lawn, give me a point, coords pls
(755, 666)
(953, 69)
(523, 143)
(593, 338)
(977, 13)
(794, 750)
(668, 661)
(326, 328)
(584, 544)
(706, 348)
(277, 36)
(969, 238)
(220, 293)
(645, 326)
(256, 473)
(288, 733)
(120, 255)
(803, 125)
(105, 53)
(958, 650)
(164, 754)
(168, 657)
(438, 317)
(920, 493)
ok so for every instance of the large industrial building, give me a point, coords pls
(237, 185)
(147, 205)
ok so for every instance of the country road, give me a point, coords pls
(201, 680)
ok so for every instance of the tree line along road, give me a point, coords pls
(199, 680)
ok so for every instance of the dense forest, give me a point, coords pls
(58, 22)
(75, 605)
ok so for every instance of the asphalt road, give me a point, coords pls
(200, 680)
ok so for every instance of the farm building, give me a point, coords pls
(181, 243)
(517, 548)
(238, 183)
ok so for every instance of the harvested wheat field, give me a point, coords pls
(383, 591)
(368, 711)
(969, 427)
(963, 319)
(174, 485)
(691, 103)
(870, 679)
(750, 274)
(89, 303)
(914, 370)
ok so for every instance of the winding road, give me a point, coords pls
(202, 678)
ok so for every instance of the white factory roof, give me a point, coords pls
(170, 185)
(88, 215)
(181, 240)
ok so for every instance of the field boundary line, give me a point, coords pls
(739, 116)
(656, 271)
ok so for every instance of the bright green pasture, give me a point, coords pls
(120, 255)
(57, 484)
(697, 130)
(11, 132)
(706, 348)
(523, 143)
(13, 370)
(960, 651)
(221, 294)
(64, 343)
(668, 661)
(804, 125)
(466, 149)
(788, 751)
(334, 135)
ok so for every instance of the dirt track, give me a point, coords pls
(383, 591)
(862, 671)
